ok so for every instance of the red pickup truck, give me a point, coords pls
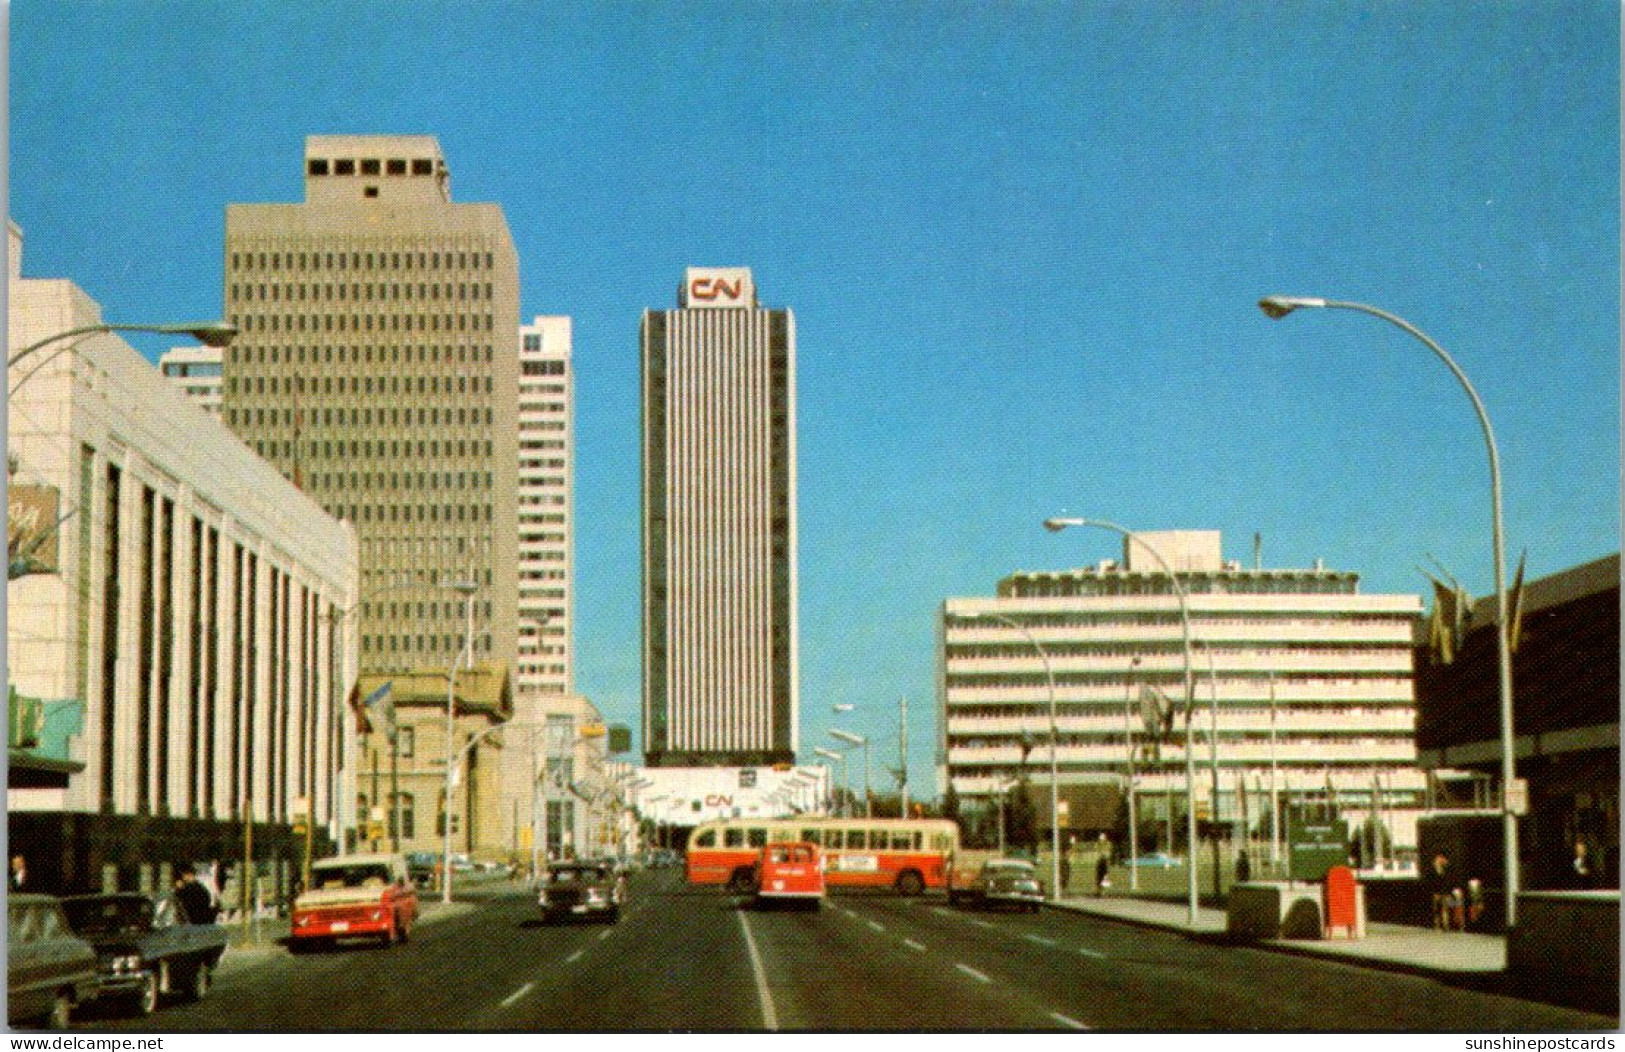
(355, 896)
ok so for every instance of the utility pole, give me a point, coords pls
(902, 754)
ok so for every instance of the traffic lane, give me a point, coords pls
(439, 980)
(1126, 977)
(834, 969)
(677, 960)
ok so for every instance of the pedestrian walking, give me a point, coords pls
(1582, 865)
(19, 873)
(1066, 864)
(1439, 886)
(1103, 878)
(193, 898)
(1244, 868)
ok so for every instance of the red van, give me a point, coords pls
(790, 873)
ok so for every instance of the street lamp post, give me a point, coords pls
(831, 754)
(1057, 525)
(211, 333)
(1054, 765)
(1133, 820)
(859, 739)
(466, 589)
(1280, 307)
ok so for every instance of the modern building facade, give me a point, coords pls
(197, 372)
(546, 508)
(175, 641)
(1310, 681)
(1565, 676)
(719, 527)
(376, 367)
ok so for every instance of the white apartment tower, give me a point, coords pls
(546, 506)
(1309, 681)
(196, 371)
(719, 527)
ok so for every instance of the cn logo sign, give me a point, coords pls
(718, 800)
(717, 287)
(712, 289)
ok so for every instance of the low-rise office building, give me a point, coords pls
(176, 663)
(1302, 689)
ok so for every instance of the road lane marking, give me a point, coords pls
(877, 926)
(911, 944)
(1039, 939)
(1091, 953)
(517, 994)
(849, 913)
(982, 924)
(944, 912)
(574, 957)
(972, 972)
(606, 933)
(770, 1017)
(1064, 1021)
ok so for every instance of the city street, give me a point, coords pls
(696, 959)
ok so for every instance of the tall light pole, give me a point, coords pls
(1057, 525)
(831, 754)
(466, 589)
(859, 739)
(1133, 820)
(1054, 763)
(1280, 307)
(210, 333)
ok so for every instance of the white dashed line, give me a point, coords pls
(1064, 1021)
(574, 957)
(944, 912)
(770, 1017)
(911, 944)
(1040, 940)
(982, 924)
(1091, 953)
(606, 933)
(517, 994)
(877, 926)
(972, 972)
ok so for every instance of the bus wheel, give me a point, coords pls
(741, 883)
(909, 883)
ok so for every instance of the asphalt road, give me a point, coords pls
(698, 960)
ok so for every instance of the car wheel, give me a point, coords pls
(614, 915)
(146, 1001)
(393, 935)
(61, 1010)
(406, 933)
(202, 976)
(953, 898)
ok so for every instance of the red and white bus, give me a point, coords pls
(908, 854)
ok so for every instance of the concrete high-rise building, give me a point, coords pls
(377, 367)
(197, 372)
(1310, 681)
(546, 508)
(719, 527)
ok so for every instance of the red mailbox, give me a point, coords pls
(1341, 904)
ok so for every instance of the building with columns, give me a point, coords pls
(176, 656)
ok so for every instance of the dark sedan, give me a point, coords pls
(146, 949)
(1003, 882)
(582, 890)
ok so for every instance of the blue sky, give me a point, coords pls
(1023, 243)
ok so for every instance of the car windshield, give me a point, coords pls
(576, 874)
(355, 875)
(110, 916)
(1009, 869)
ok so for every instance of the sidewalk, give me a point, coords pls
(1391, 947)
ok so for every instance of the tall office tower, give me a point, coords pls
(376, 367)
(546, 509)
(196, 371)
(719, 527)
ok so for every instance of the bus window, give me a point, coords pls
(832, 839)
(855, 839)
(809, 836)
(877, 840)
(706, 839)
(903, 840)
(757, 837)
(733, 838)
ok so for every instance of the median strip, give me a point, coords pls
(517, 994)
(972, 972)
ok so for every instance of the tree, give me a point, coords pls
(950, 804)
(1021, 819)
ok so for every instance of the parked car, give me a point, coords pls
(355, 896)
(1156, 860)
(146, 950)
(1001, 882)
(49, 969)
(582, 889)
(790, 873)
(422, 866)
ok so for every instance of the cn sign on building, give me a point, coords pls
(719, 529)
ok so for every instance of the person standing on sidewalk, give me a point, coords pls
(1066, 865)
(1103, 869)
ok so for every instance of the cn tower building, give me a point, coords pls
(719, 527)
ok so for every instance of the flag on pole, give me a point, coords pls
(362, 724)
(382, 701)
(1515, 614)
